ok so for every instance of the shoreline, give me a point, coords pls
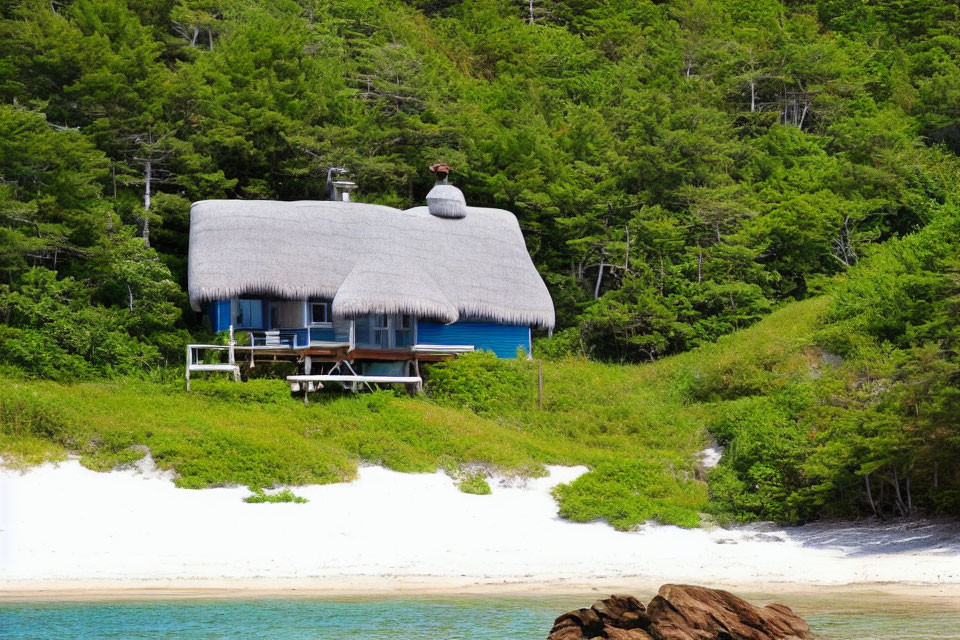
(945, 596)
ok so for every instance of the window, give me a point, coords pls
(381, 330)
(319, 313)
(404, 330)
(247, 314)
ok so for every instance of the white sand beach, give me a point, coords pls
(64, 528)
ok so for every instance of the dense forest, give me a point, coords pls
(680, 168)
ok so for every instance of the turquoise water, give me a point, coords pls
(473, 619)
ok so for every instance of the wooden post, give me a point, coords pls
(540, 384)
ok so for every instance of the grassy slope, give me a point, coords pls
(637, 427)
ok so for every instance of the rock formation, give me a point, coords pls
(681, 612)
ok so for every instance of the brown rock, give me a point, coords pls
(681, 612)
(615, 633)
(623, 612)
(685, 612)
(666, 623)
(586, 622)
(780, 619)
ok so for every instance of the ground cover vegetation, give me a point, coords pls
(681, 169)
(635, 427)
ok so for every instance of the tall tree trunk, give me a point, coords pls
(901, 507)
(699, 263)
(596, 288)
(873, 506)
(130, 296)
(626, 259)
(753, 95)
(531, 11)
(909, 497)
(148, 167)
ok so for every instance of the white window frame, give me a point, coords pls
(376, 327)
(397, 328)
(308, 314)
(392, 322)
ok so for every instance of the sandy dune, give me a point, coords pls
(64, 528)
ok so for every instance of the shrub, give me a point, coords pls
(562, 344)
(628, 492)
(474, 483)
(282, 496)
(481, 382)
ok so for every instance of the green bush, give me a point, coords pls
(628, 492)
(474, 483)
(482, 382)
(562, 344)
(281, 496)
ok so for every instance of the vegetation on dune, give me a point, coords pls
(284, 495)
(875, 431)
(634, 427)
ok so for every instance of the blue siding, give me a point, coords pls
(502, 339)
(219, 313)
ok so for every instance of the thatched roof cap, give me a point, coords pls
(446, 201)
(368, 259)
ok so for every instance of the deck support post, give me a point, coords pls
(416, 372)
(307, 364)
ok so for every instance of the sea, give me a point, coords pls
(393, 619)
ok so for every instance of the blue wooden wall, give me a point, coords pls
(502, 339)
(219, 313)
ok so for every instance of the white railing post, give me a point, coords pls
(187, 367)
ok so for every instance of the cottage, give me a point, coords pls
(355, 290)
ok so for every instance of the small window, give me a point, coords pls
(404, 331)
(319, 313)
(381, 331)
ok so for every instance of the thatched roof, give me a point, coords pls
(368, 259)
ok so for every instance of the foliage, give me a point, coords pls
(629, 492)
(628, 424)
(475, 484)
(678, 169)
(284, 495)
(479, 381)
(873, 432)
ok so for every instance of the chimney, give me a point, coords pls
(445, 200)
(338, 188)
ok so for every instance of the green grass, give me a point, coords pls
(636, 427)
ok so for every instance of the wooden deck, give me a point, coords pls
(319, 353)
